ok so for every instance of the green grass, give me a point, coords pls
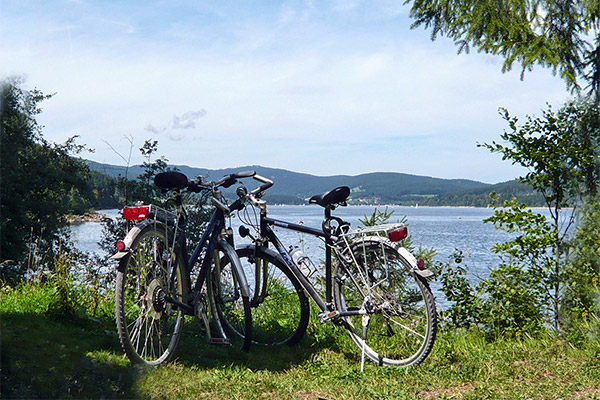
(45, 355)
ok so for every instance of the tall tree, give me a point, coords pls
(561, 34)
(39, 179)
(562, 166)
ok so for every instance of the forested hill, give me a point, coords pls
(372, 188)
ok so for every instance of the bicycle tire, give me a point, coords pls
(280, 308)
(231, 306)
(402, 322)
(149, 327)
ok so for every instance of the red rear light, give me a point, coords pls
(135, 213)
(398, 234)
(421, 264)
(121, 246)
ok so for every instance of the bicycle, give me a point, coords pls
(374, 287)
(154, 275)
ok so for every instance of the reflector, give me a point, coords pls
(135, 213)
(398, 234)
(421, 263)
(121, 245)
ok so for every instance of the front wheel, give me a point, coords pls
(280, 309)
(392, 316)
(149, 325)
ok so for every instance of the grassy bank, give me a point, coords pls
(46, 355)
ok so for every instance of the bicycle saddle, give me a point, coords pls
(334, 196)
(171, 180)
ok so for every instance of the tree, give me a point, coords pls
(581, 300)
(560, 34)
(561, 156)
(40, 181)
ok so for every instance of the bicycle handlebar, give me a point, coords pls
(226, 181)
(267, 183)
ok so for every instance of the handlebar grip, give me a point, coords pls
(244, 174)
(229, 180)
(267, 183)
(264, 187)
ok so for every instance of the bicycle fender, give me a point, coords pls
(131, 235)
(412, 261)
(409, 260)
(237, 268)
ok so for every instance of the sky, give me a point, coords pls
(319, 87)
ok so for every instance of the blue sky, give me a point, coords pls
(322, 87)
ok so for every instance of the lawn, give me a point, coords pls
(46, 355)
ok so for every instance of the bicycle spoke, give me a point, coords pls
(407, 328)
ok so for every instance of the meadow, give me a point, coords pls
(47, 353)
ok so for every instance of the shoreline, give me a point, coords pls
(92, 216)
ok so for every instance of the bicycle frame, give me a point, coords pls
(209, 240)
(266, 232)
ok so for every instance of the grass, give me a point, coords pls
(45, 355)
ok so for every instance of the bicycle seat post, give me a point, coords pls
(328, 268)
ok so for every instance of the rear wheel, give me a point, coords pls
(280, 309)
(149, 325)
(394, 319)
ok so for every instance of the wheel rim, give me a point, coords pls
(152, 325)
(399, 326)
(277, 316)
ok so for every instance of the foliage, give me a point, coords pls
(379, 217)
(536, 283)
(41, 182)
(512, 306)
(466, 305)
(558, 149)
(367, 189)
(560, 152)
(502, 305)
(562, 35)
(580, 305)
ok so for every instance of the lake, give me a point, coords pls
(441, 228)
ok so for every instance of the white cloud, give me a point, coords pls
(289, 94)
(187, 120)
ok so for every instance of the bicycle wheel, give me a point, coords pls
(280, 309)
(149, 326)
(399, 318)
(232, 308)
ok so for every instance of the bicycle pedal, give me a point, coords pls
(328, 316)
(220, 341)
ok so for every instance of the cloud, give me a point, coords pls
(184, 121)
(343, 71)
(187, 120)
(155, 129)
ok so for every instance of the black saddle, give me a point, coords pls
(334, 196)
(171, 180)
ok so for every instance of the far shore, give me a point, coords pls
(92, 216)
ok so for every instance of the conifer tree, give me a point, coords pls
(560, 34)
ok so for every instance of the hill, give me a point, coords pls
(371, 188)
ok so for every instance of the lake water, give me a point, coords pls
(441, 228)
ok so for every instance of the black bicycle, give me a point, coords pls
(371, 284)
(153, 288)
